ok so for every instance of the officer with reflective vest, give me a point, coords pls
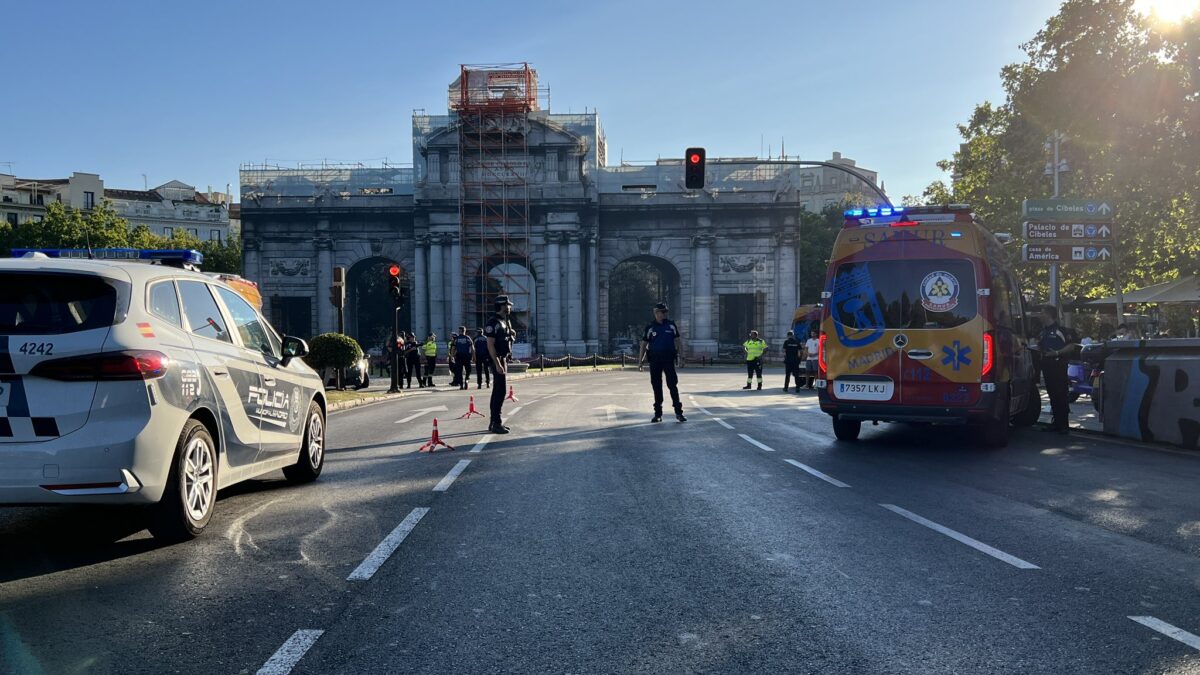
(755, 348)
(464, 349)
(661, 343)
(483, 362)
(499, 333)
(429, 349)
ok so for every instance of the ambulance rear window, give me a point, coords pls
(905, 294)
(53, 304)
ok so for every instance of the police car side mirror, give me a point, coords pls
(293, 348)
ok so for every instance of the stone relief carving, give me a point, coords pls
(290, 267)
(742, 263)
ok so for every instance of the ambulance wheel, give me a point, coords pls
(312, 451)
(1033, 408)
(191, 492)
(994, 432)
(846, 430)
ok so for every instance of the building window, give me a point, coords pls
(192, 231)
(168, 232)
(38, 200)
(89, 200)
(11, 218)
(433, 167)
(552, 166)
(833, 179)
(214, 235)
(806, 180)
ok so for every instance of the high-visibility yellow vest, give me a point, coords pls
(430, 348)
(754, 349)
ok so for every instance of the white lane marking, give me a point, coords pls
(422, 411)
(512, 412)
(962, 538)
(754, 442)
(1170, 631)
(703, 410)
(828, 479)
(482, 442)
(610, 410)
(388, 546)
(723, 423)
(446, 482)
(286, 658)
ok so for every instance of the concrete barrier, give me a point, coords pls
(1151, 391)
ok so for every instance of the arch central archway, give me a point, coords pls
(518, 283)
(634, 287)
(369, 307)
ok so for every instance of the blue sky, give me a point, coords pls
(190, 90)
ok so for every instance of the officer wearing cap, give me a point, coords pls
(499, 333)
(483, 362)
(661, 343)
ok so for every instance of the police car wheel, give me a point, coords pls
(191, 492)
(312, 451)
(846, 430)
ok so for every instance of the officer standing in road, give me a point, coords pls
(791, 359)
(429, 349)
(451, 362)
(1056, 346)
(661, 342)
(483, 362)
(755, 348)
(412, 360)
(499, 334)
(464, 351)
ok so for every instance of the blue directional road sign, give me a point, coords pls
(1069, 210)
(1066, 253)
(1100, 233)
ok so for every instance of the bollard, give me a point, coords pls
(542, 361)
(435, 441)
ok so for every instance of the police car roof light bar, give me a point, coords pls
(165, 256)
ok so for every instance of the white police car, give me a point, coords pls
(123, 382)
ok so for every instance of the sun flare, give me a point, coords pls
(1168, 11)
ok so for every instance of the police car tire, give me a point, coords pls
(846, 430)
(171, 520)
(304, 470)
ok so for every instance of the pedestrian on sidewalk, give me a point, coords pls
(755, 348)
(662, 344)
(429, 349)
(499, 333)
(483, 362)
(791, 360)
(412, 360)
(464, 351)
(812, 355)
(1056, 345)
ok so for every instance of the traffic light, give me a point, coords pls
(693, 168)
(394, 285)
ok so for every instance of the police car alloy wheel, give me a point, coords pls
(191, 492)
(312, 451)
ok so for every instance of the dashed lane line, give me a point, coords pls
(828, 479)
(388, 546)
(751, 441)
(288, 655)
(1173, 632)
(482, 442)
(446, 482)
(962, 538)
(723, 423)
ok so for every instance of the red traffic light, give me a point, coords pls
(694, 158)
(693, 170)
(394, 270)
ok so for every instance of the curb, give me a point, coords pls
(557, 372)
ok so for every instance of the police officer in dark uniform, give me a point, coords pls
(661, 342)
(483, 362)
(464, 350)
(791, 360)
(412, 360)
(499, 333)
(1055, 346)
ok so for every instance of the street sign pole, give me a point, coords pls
(1054, 267)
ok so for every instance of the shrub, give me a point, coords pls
(332, 350)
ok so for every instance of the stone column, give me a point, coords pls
(326, 321)
(574, 303)
(702, 340)
(420, 289)
(455, 271)
(553, 342)
(251, 268)
(437, 289)
(785, 283)
(592, 299)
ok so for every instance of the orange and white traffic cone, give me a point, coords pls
(470, 411)
(510, 396)
(435, 441)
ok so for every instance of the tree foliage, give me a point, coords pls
(101, 227)
(1125, 91)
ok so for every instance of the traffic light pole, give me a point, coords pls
(396, 356)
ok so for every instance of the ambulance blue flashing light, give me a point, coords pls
(165, 255)
(879, 211)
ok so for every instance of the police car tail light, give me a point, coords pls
(821, 353)
(108, 366)
(989, 354)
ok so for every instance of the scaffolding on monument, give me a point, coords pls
(493, 103)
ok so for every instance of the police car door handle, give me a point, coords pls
(221, 373)
(269, 381)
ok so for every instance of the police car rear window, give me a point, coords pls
(907, 294)
(53, 304)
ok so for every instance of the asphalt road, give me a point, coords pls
(590, 540)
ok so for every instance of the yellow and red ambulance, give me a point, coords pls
(924, 322)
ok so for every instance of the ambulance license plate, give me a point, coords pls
(862, 391)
